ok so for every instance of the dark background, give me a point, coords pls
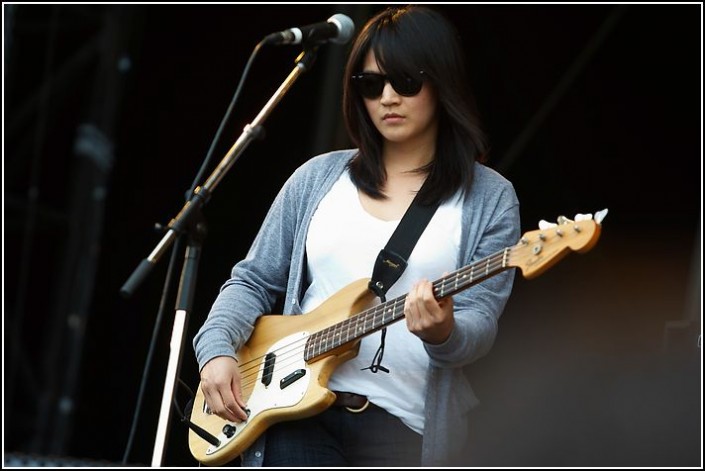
(109, 111)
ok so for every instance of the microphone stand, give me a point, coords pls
(189, 221)
(184, 301)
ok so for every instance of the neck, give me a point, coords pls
(406, 157)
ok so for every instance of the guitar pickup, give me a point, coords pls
(269, 360)
(290, 378)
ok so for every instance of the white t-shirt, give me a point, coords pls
(343, 243)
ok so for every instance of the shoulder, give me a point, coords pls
(492, 193)
(324, 163)
(487, 176)
(317, 172)
(489, 185)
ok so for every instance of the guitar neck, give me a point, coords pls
(377, 317)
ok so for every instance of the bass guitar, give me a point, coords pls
(286, 363)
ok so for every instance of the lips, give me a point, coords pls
(391, 117)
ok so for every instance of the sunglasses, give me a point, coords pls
(370, 85)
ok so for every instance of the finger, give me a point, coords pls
(239, 401)
(215, 402)
(429, 302)
(415, 307)
(407, 312)
(238, 397)
(410, 309)
(232, 410)
(220, 400)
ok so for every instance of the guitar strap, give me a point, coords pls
(392, 259)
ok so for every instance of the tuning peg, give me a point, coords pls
(583, 217)
(543, 224)
(600, 215)
(563, 220)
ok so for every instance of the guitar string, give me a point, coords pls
(295, 352)
(321, 339)
(295, 348)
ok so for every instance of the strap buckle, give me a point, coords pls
(359, 409)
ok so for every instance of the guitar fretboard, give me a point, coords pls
(377, 317)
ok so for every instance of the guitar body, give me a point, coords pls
(278, 383)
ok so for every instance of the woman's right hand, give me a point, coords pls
(220, 383)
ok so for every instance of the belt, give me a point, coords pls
(354, 403)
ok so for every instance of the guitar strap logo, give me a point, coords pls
(388, 268)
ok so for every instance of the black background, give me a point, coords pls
(587, 107)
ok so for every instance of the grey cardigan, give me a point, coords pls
(275, 267)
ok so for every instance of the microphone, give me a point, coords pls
(337, 29)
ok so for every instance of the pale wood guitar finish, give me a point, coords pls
(286, 363)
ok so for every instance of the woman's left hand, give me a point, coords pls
(427, 318)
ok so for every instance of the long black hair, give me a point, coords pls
(406, 40)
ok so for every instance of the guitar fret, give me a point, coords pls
(319, 341)
(338, 332)
(314, 340)
(357, 327)
(329, 339)
(392, 311)
(352, 328)
(343, 335)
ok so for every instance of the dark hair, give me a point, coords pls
(406, 40)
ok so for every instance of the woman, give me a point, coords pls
(404, 399)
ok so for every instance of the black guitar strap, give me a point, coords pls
(392, 259)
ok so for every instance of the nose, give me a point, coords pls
(389, 95)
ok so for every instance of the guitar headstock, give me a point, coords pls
(539, 250)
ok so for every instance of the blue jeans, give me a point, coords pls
(336, 437)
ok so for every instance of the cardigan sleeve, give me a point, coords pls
(478, 308)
